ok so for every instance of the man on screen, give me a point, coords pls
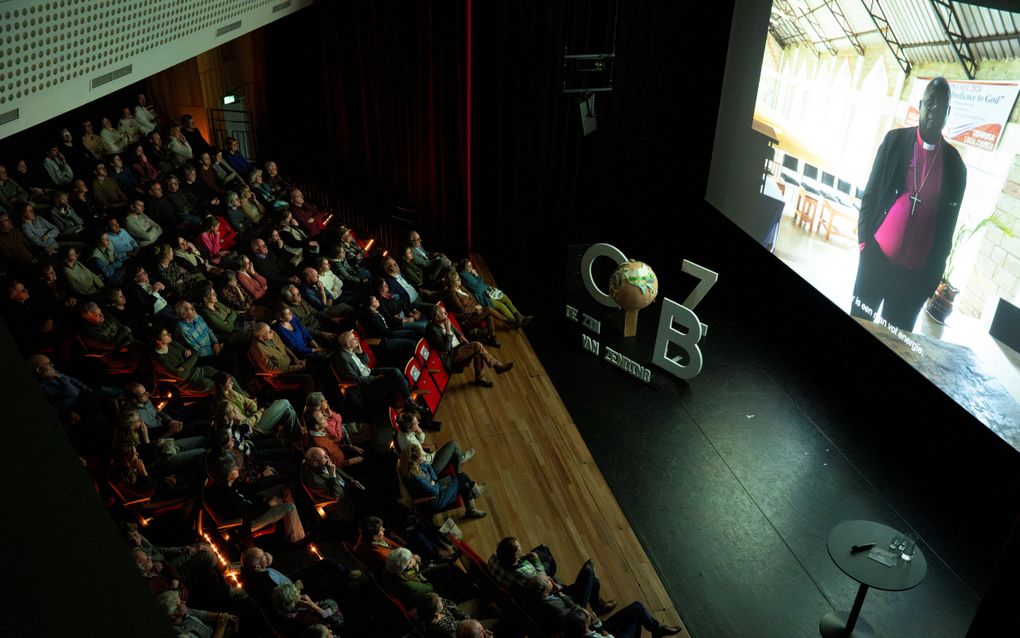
(908, 215)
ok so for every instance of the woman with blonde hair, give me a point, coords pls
(421, 480)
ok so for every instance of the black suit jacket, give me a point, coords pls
(347, 369)
(885, 185)
(443, 343)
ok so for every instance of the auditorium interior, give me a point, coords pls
(702, 467)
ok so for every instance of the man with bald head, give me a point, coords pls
(908, 215)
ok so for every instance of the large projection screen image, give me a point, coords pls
(889, 140)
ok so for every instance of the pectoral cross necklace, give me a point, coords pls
(915, 199)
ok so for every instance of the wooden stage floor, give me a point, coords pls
(544, 486)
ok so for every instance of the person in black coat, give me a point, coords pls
(908, 215)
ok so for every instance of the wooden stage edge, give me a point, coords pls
(544, 486)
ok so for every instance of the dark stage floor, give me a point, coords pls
(734, 481)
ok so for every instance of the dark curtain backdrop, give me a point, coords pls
(370, 98)
(640, 177)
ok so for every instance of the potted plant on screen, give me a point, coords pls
(940, 305)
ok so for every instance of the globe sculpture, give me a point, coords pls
(633, 286)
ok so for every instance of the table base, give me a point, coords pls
(833, 625)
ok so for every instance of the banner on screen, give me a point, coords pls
(978, 110)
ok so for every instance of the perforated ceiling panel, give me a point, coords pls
(60, 54)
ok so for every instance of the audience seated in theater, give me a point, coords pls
(395, 347)
(145, 115)
(79, 278)
(129, 127)
(314, 291)
(194, 332)
(421, 479)
(123, 243)
(140, 226)
(235, 158)
(373, 545)
(295, 611)
(275, 270)
(325, 480)
(197, 190)
(288, 253)
(235, 215)
(178, 147)
(323, 578)
(457, 352)
(106, 191)
(516, 572)
(354, 253)
(113, 140)
(262, 191)
(354, 435)
(434, 266)
(333, 284)
(278, 186)
(51, 290)
(31, 178)
(233, 295)
(79, 157)
(158, 422)
(468, 311)
(79, 407)
(251, 206)
(14, 247)
(277, 419)
(115, 304)
(180, 364)
(226, 173)
(106, 334)
(230, 501)
(489, 296)
(439, 618)
(346, 457)
(402, 288)
(271, 357)
(194, 136)
(146, 299)
(235, 433)
(144, 171)
(160, 154)
(405, 579)
(39, 232)
(377, 388)
(409, 432)
(190, 257)
(159, 576)
(399, 314)
(296, 336)
(185, 202)
(313, 220)
(69, 224)
(322, 326)
(560, 613)
(57, 167)
(196, 563)
(92, 142)
(208, 241)
(248, 275)
(34, 323)
(12, 194)
(83, 202)
(208, 176)
(107, 263)
(196, 622)
(180, 282)
(293, 234)
(222, 320)
(124, 177)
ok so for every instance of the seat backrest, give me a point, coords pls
(432, 363)
(419, 379)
